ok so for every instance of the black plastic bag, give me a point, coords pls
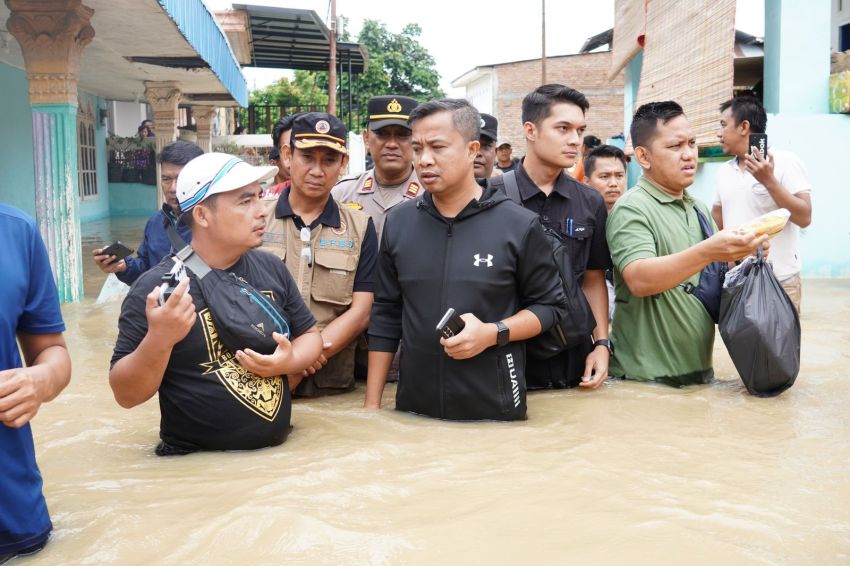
(761, 329)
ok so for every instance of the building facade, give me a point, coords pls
(499, 89)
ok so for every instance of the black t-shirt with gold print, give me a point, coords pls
(207, 400)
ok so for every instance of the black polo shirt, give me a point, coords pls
(578, 213)
(364, 277)
(575, 211)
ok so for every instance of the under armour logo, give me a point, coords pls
(488, 260)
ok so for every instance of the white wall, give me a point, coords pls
(125, 117)
(480, 92)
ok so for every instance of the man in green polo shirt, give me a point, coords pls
(660, 332)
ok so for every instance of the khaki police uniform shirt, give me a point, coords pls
(364, 193)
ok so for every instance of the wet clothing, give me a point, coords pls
(667, 337)
(155, 245)
(344, 249)
(207, 400)
(578, 214)
(492, 260)
(363, 192)
(29, 303)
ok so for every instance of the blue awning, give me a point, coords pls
(200, 29)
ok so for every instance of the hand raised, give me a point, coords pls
(172, 321)
(106, 263)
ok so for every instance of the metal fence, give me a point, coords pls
(260, 119)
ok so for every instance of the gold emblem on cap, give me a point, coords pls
(323, 127)
(394, 106)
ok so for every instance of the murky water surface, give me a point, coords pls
(632, 473)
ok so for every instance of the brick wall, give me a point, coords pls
(586, 72)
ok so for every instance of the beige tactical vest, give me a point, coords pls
(326, 286)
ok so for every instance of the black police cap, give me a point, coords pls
(390, 110)
(489, 126)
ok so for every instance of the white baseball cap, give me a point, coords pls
(213, 173)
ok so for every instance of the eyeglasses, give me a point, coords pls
(306, 251)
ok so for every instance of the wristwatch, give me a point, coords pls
(503, 335)
(604, 342)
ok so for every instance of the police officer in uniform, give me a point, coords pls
(393, 179)
(329, 249)
(486, 157)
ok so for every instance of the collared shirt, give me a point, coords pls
(578, 214)
(155, 244)
(364, 277)
(666, 337)
(743, 198)
(367, 194)
(575, 211)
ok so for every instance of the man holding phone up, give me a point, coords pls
(752, 184)
(155, 245)
(475, 252)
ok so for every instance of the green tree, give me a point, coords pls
(304, 91)
(397, 64)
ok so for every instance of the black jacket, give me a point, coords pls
(492, 260)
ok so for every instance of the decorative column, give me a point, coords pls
(204, 116)
(52, 35)
(163, 97)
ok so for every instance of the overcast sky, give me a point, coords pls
(463, 34)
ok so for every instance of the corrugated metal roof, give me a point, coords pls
(200, 29)
(289, 38)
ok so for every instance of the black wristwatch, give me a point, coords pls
(604, 342)
(503, 336)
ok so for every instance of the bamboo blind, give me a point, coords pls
(689, 58)
(629, 26)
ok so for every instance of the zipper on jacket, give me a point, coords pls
(445, 306)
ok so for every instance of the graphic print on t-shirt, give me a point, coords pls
(263, 395)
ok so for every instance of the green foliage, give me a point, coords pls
(397, 64)
(304, 89)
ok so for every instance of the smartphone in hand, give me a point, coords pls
(451, 324)
(119, 250)
(759, 142)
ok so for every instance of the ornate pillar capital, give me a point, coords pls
(163, 97)
(52, 35)
(204, 116)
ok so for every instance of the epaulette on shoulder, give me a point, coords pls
(352, 177)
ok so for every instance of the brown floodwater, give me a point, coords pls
(632, 473)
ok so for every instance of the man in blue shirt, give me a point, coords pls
(155, 245)
(29, 315)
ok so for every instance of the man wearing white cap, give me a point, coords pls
(210, 397)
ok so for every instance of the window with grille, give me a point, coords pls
(86, 156)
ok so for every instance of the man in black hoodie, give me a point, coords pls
(469, 248)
